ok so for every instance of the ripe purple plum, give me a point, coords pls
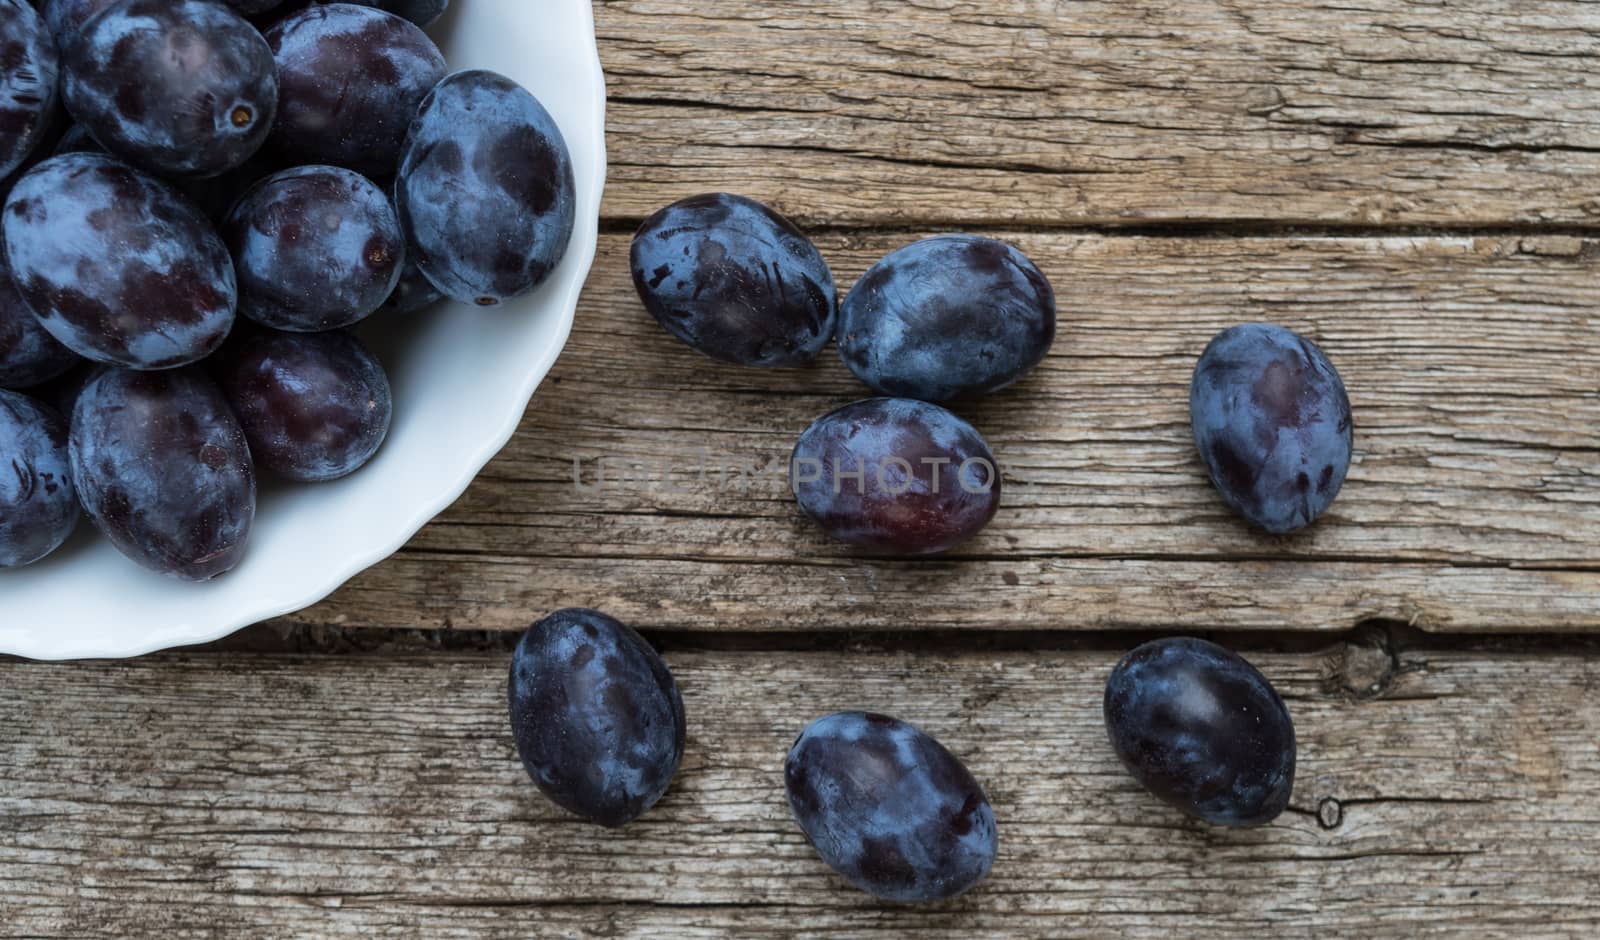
(179, 87)
(350, 80)
(1272, 422)
(316, 248)
(38, 505)
(163, 470)
(29, 83)
(946, 317)
(887, 807)
(735, 280)
(314, 406)
(486, 191)
(896, 475)
(117, 265)
(1202, 730)
(596, 716)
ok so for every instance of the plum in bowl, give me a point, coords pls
(461, 376)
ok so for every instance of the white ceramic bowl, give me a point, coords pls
(462, 378)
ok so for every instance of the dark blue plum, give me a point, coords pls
(117, 265)
(314, 406)
(735, 280)
(163, 470)
(596, 716)
(181, 87)
(889, 808)
(948, 316)
(413, 292)
(420, 12)
(350, 80)
(28, 353)
(1202, 730)
(29, 83)
(1272, 422)
(896, 475)
(38, 506)
(485, 192)
(316, 248)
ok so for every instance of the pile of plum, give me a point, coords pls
(947, 319)
(596, 714)
(201, 198)
(600, 726)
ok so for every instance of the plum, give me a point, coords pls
(735, 280)
(38, 504)
(117, 265)
(486, 191)
(179, 87)
(1202, 730)
(596, 716)
(888, 808)
(896, 475)
(315, 248)
(314, 406)
(948, 316)
(1272, 422)
(29, 83)
(350, 80)
(163, 470)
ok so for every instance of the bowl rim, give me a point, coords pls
(38, 645)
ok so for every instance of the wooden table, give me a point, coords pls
(1416, 185)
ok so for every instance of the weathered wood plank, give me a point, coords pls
(1473, 365)
(1046, 112)
(379, 796)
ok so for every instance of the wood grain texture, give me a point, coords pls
(1474, 504)
(1094, 112)
(379, 796)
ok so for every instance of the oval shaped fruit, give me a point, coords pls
(28, 353)
(947, 316)
(316, 248)
(889, 808)
(485, 192)
(184, 87)
(163, 470)
(117, 265)
(1272, 422)
(896, 475)
(1201, 729)
(735, 280)
(350, 80)
(38, 505)
(314, 406)
(28, 82)
(596, 716)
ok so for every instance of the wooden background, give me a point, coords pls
(1414, 184)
